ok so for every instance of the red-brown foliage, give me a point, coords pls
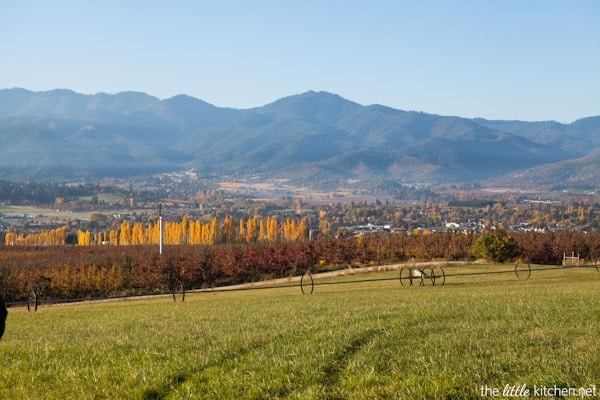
(101, 271)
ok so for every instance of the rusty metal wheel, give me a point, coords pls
(406, 276)
(439, 276)
(307, 284)
(522, 270)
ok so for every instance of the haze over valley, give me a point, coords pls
(313, 138)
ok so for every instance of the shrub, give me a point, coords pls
(498, 247)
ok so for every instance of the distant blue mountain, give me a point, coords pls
(309, 137)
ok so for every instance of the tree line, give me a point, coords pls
(195, 232)
(42, 192)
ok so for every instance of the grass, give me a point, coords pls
(352, 341)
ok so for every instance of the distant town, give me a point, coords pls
(31, 207)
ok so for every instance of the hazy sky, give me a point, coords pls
(502, 59)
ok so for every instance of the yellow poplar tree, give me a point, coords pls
(242, 232)
(303, 229)
(252, 230)
(195, 232)
(183, 230)
(289, 229)
(262, 230)
(83, 238)
(9, 239)
(229, 230)
(213, 231)
(271, 229)
(113, 237)
(125, 235)
(137, 235)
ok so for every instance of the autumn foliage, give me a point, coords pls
(78, 272)
(252, 230)
(44, 238)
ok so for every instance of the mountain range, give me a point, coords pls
(313, 138)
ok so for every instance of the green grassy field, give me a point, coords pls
(349, 341)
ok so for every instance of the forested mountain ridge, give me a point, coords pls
(309, 137)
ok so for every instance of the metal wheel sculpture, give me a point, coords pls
(178, 291)
(173, 283)
(405, 276)
(438, 275)
(522, 270)
(307, 284)
(32, 301)
(39, 293)
(423, 276)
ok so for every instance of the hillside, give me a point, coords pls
(314, 137)
(581, 173)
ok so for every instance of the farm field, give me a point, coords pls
(371, 339)
(42, 214)
(273, 191)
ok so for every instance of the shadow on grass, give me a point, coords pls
(173, 383)
(333, 370)
(158, 393)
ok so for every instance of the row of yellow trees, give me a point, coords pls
(252, 230)
(45, 238)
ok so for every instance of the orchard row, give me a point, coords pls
(77, 272)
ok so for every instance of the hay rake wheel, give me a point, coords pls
(423, 276)
(178, 291)
(428, 276)
(522, 270)
(307, 284)
(438, 276)
(406, 276)
(39, 293)
(32, 301)
(172, 282)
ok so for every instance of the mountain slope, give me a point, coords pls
(363, 142)
(309, 137)
(580, 137)
(581, 173)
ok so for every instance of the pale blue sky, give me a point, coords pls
(504, 59)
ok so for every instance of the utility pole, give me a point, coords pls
(160, 229)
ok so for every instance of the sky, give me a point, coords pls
(531, 60)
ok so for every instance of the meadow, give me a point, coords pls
(366, 338)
